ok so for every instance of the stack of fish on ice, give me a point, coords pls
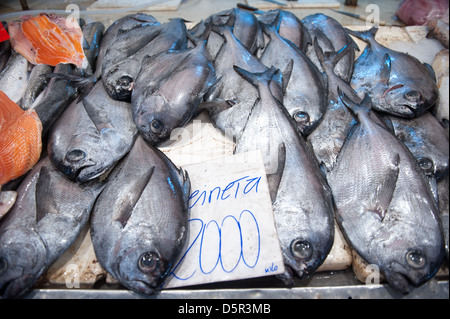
(357, 141)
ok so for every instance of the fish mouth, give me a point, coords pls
(10, 288)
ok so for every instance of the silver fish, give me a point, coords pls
(14, 77)
(302, 199)
(290, 27)
(169, 89)
(305, 95)
(427, 140)
(397, 82)
(120, 77)
(139, 222)
(332, 37)
(36, 84)
(48, 215)
(91, 135)
(443, 198)
(385, 206)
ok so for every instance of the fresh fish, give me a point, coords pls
(169, 89)
(120, 78)
(426, 139)
(36, 84)
(329, 136)
(302, 199)
(290, 27)
(230, 100)
(305, 95)
(398, 83)
(245, 28)
(91, 135)
(48, 39)
(7, 200)
(48, 215)
(14, 77)
(332, 37)
(121, 39)
(93, 35)
(139, 222)
(385, 206)
(20, 140)
(55, 98)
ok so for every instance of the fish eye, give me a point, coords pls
(413, 95)
(301, 248)
(75, 155)
(125, 81)
(415, 259)
(156, 126)
(302, 118)
(3, 264)
(149, 262)
(426, 165)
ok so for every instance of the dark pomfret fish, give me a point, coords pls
(305, 95)
(329, 136)
(443, 197)
(245, 28)
(290, 27)
(398, 83)
(427, 140)
(120, 78)
(169, 89)
(36, 84)
(91, 135)
(140, 220)
(49, 213)
(93, 35)
(230, 100)
(332, 37)
(384, 203)
(123, 38)
(302, 199)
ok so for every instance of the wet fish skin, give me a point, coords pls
(48, 215)
(91, 135)
(290, 28)
(120, 78)
(332, 37)
(14, 77)
(385, 206)
(93, 36)
(427, 140)
(36, 84)
(169, 89)
(443, 198)
(302, 199)
(139, 222)
(305, 95)
(397, 82)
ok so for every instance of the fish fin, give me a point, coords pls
(364, 106)
(85, 44)
(430, 71)
(278, 86)
(385, 71)
(366, 36)
(99, 119)
(385, 191)
(129, 200)
(81, 83)
(273, 180)
(44, 203)
(287, 73)
(257, 77)
(182, 177)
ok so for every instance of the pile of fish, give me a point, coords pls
(346, 140)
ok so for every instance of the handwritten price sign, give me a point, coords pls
(232, 233)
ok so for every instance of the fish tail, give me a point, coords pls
(81, 83)
(356, 108)
(257, 78)
(330, 59)
(366, 36)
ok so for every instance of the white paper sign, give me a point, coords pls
(232, 233)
